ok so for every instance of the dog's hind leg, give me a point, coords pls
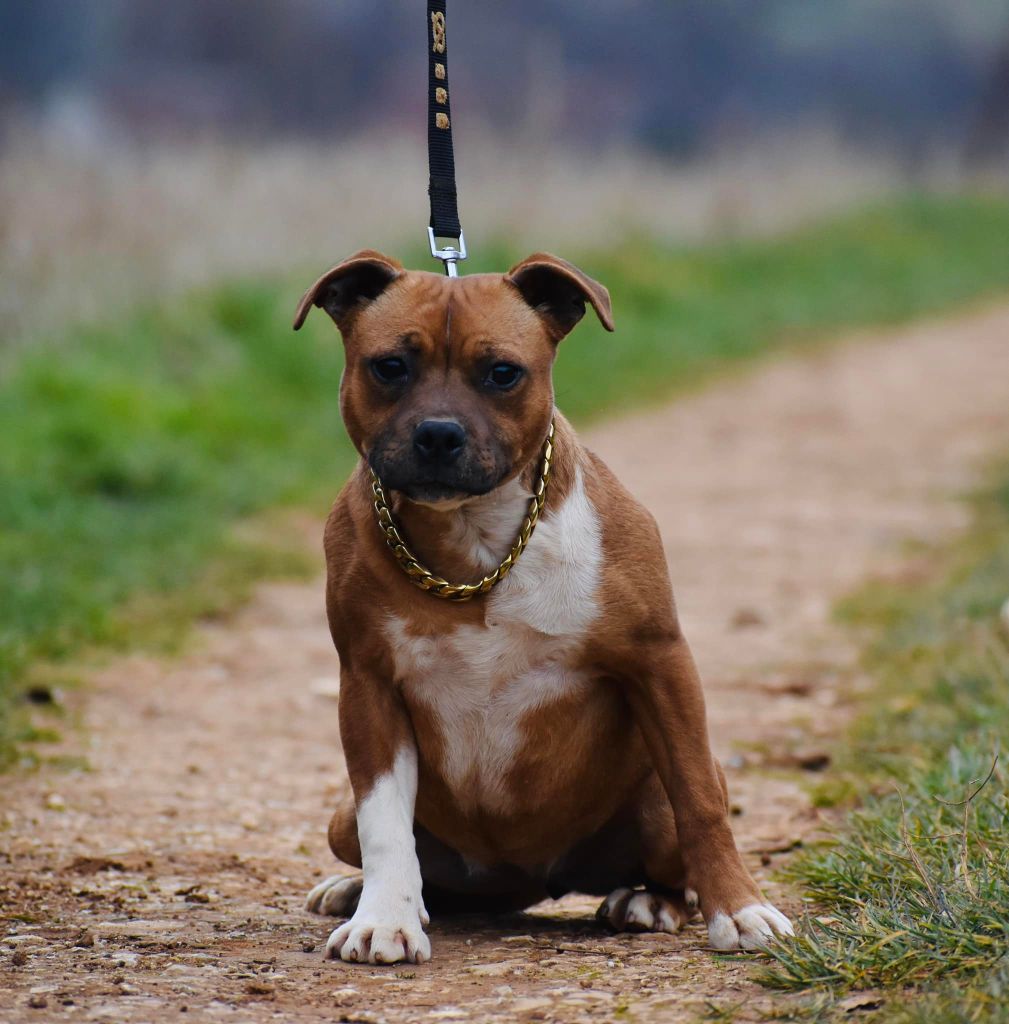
(450, 884)
(338, 895)
(663, 904)
(342, 834)
(635, 858)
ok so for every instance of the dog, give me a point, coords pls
(547, 735)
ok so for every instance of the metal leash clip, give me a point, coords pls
(449, 255)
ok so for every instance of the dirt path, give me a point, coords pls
(170, 876)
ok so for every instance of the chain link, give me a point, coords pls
(420, 576)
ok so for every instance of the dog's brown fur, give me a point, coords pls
(609, 786)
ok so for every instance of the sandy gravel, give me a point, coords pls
(169, 876)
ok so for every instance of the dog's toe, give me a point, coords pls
(337, 896)
(614, 907)
(370, 942)
(627, 910)
(753, 927)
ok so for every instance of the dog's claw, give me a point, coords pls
(367, 941)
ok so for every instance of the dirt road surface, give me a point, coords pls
(168, 878)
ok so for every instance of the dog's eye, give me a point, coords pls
(504, 376)
(390, 370)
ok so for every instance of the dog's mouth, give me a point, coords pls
(445, 493)
(441, 487)
(441, 495)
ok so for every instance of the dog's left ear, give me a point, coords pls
(558, 291)
(342, 290)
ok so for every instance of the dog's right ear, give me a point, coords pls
(342, 290)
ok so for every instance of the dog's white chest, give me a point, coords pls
(482, 683)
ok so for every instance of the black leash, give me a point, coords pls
(441, 188)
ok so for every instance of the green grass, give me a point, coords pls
(131, 449)
(682, 313)
(913, 895)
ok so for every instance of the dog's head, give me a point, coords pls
(447, 389)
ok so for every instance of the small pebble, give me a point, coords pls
(55, 802)
(38, 1001)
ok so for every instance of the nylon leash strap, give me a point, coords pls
(444, 223)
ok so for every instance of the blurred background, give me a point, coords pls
(743, 176)
(749, 178)
(147, 144)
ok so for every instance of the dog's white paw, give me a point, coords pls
(367, 939)
(753, 927)
(629, 910)
(338, 896)
(387, 927)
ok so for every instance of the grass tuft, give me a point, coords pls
(912, 890)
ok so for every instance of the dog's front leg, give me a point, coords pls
(669, 707)
(381, 752)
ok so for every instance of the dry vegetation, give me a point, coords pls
(91, 225)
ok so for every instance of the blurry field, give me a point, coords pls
(90, 227)
(913, 892)
(144, 458)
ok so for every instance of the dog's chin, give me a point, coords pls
(446, 495)
(441, 496)
(443, 490)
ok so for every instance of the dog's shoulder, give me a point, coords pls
(627, 523)
(637, 593)
(344, 536)
(351, 542)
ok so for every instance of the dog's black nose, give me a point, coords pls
(439, 441)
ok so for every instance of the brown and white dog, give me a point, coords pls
(546, 737)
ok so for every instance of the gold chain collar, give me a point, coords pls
(422, 577)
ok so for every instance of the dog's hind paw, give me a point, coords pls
(337, 896)
(629, 910)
